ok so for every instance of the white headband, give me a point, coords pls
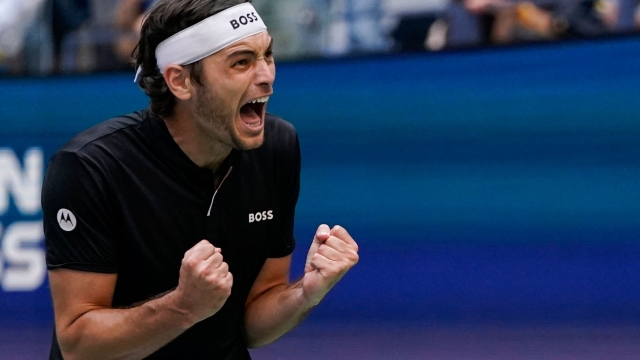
(208, 36)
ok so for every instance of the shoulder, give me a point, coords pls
(105, 133)
(98, 150)
(278, 124)
(281, 147)
(280, 151)
(280, 135)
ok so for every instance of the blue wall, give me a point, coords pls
(491, 185)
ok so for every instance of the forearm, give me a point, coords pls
(275, 307)
(274, 313)
(131, 333)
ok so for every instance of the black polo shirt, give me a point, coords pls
(123, 198)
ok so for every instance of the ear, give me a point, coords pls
(178, 81)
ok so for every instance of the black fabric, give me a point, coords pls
(140, 203)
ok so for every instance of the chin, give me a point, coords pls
(251, 143)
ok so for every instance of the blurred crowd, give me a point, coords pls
(68, 36)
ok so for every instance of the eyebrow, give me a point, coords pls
(247, 51)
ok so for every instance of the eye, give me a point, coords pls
(242, 62)
(269, 54)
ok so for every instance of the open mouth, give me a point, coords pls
(252, 113)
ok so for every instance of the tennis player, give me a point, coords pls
(169, 231)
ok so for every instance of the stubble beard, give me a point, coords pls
(219, 117)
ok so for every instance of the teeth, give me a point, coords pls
(263, 99)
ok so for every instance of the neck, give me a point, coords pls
(197, 143)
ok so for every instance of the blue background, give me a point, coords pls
(496, 185)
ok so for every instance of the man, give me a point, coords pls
(169, 231)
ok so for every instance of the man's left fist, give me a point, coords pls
(333, 252)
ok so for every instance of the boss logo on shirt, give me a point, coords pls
(66, 220)
(244, 20)
(260, 216)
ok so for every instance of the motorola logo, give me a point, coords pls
(66, 220)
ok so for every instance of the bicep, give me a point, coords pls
(78, 225)
(75, 293)
(274, 273)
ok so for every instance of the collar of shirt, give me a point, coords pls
(175, 157)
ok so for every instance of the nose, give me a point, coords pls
(265, 73)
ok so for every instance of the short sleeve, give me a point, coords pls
(78, 227)
(285, 241)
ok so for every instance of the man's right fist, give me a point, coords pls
(205, 281)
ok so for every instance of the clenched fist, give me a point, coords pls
(333, 252)
(205, 281)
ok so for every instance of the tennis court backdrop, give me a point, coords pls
(489, 185)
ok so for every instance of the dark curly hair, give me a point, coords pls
(164, 19)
